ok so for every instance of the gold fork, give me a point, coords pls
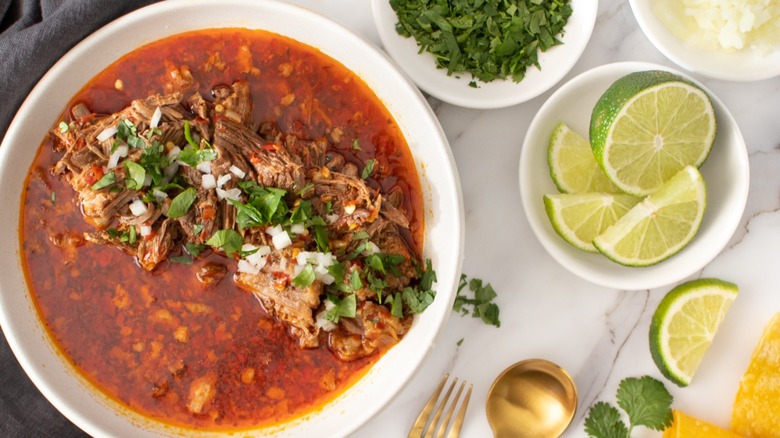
(422, 420)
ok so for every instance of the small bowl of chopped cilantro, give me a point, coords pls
(485, 54)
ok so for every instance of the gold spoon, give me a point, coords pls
(534, 398)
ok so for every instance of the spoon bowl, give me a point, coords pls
(532, 398)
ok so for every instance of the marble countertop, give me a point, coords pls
(599, 335)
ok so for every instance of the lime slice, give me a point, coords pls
(578, 218)
(647, 126)
(659, 226)
(685, 323)
(572, 166)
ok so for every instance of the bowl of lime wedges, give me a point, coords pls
(633, 175)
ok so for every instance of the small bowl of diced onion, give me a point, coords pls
(735, 40)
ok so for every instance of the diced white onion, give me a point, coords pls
(145, 230)
(159, 195)
(137, 207)
(247, 268)
(264, 250)
(207, 181)
(349, 208)
(120, 152)
(106, 133)
(371, 248)
(170, 170)
(155, 120)
(234, 194)
(204, 166)
(223, 179)
(237, 172)
(325, 259)
(298, 228)
(273, 231)
(147, 179)
(331, 218)
(173, 153)
(321, 321)
(327, 279)
(281, 240)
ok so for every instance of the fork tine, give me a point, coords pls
(432, 427)
(458, 423)
(446, 421)
(422, 419)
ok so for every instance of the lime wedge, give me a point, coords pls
(572, 166)
(578, 218)
(647, 126)
(659, 226)
(685, 323)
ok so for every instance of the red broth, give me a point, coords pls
(143, 337)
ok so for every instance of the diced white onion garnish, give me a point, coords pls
(120, 152)
(145, 230)
(371, 248)
(170, 170)
(159, 195)
(326, 279)
(298, 228)
(331, 218)
(321, 321)
(137, 207)
(155, 120)
(173, 153)
(319, 261)
(106, 133)
(247, 268)
(325, 259)
(234, 194)
(147, 179)
(281, 240)
(204, 166)
(273, 231)
(237, 172)
(223, 179)
(349, 208)
(264, 250)
(208, 181)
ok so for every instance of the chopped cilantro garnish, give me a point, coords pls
(646, 402)
(181, 203)
(482, 303)
(490, 39)
(136, 175)
(229, 240)
(182, 259)
(195, 248)
(305, 278)
(345, 307)
(356, 145)
(368, 169)
(107, 180)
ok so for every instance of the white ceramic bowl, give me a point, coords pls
(444, 235)
(726, 173)
(421, 67)
(741, 65)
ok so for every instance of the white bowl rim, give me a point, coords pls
(555, 63)
(658, 275)
(449, 195)
(737, 66)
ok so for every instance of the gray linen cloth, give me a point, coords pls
(34, 34)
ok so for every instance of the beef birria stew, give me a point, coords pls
(224, 230)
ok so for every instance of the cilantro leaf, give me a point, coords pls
(346, 307)
(647, 402)
(107, 180)
(192, 156)
(368, 169)
(604, 421)
(136, 175)
(482, 305)
(305, 278)
(181, 203)
(229, 240)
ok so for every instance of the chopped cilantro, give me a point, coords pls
(195, 248)
(482, 303)
(182, 259)
(345, 307)
(646, 401)
(229, 240)
(107, 180)
(181, 203)
(356, 145)
(305, 278)
(136, 175)
(368, 168)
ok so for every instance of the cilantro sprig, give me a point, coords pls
(490, 39)
(646, 402)
(482, 305)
